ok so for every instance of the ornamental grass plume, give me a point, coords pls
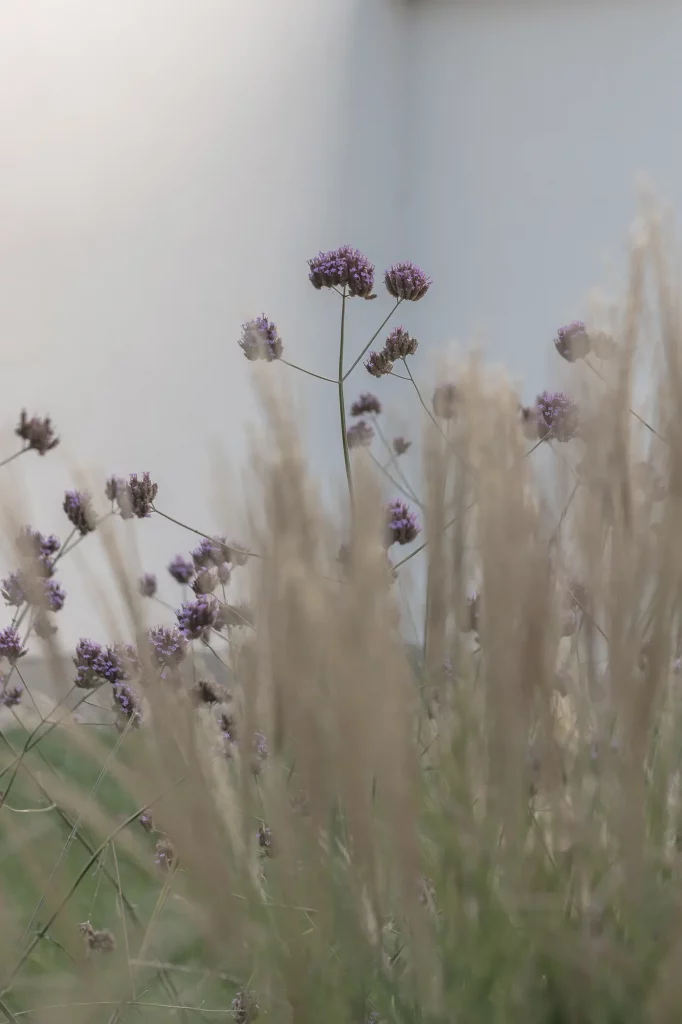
(468, 808)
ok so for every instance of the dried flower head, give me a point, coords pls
(399, 344)
(10, 695)
(97, 940)
(79, 511)
(11, 646)
(197, 618)
(445, 400)
(360, 435)
(168, 645)
(366, 405)
(113, 487)
(205, 581)
(378, 364)
(407, 282)
(558, 416)
(207, 691)
(13, 589)
(260, 340)
(244, 1008)
(344, 267)
(127, 703)
(37, 433)
(400, 445)
(181, 569)
(139, 495)
(401, 525)
(264, 836)
(224, 573)
(165, 855)
(572, 342)
(147, 584)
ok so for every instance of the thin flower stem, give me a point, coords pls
(373, 338)
(394, 462)
(11, 458)
(342, 401)
(42, 932)
(252, 554)
(329, 380)
(398, 486)
(423, 403)
(398, 375)
(631, 411)
(563, 515)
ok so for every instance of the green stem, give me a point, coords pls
(407, 487)
(329, 380)
(11, 458)
(424, 405)
(373, 338)
(342, 401)
(243, 551)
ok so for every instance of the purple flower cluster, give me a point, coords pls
(197, 618)
(127, 703)
(558, 416)
(140, 494)
(366, 405)
(344, 267)
(10, 695)
(398, 345)
(168, 645)
(406, 282)
(79, 511)
(211, 551)
(96, 664)
(11, 646)
(19, 587)
(181, 569)
(572, 342)
(37, 433)
(260, 340)
(40, 549)
(401, 525)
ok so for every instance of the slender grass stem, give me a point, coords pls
(373, 338)
(342, 401)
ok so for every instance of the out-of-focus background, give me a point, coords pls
(168, 166)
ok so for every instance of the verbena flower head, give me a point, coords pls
(360, 435)
(264, 837)
(224, 573)
(197, 618)
(400, 344)
(11, 646)
(37, 433)
(168, 645)
(54, 595)
(140, 494)
(206, 691)
(445, 401)
(366, 405)
(211, 551)
(343, 267)
(181, 569)
(146, 821)
(96, 664)
(79, 511)
(260, 340)
(558, 415)
(572, 342)
(406, 281)
(13, 589)
(378, 364)
(147, 584)
(400, 445)
(401, 525)
(113, 487)
(10, 694)
(127, 703)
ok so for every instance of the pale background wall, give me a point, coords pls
(169, 165)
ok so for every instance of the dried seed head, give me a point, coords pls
(97, 940)
(378, 364)
(400, 445)
(360, 435)
(260, 340)
(399, 344)
(366, 404)
(37, 433)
